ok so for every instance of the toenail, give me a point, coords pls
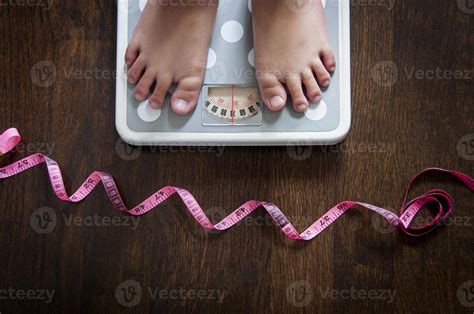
(302, 107)
(317, 99)
(181, 105)
(276, 101)
(325, 83)
(332, 69)
(138, 95)
(154, 105)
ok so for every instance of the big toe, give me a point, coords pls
(272, 91)
(186, 95)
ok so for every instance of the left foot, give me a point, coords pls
(170, 46)
(291, 48)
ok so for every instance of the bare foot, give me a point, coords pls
(170, 46)
(291, 48)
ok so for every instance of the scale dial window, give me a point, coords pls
(231, 105)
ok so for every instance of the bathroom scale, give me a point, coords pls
(230, 110)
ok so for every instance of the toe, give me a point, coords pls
(131, 54)
(157, 99)
(136, 71)
(313, 92)
(272, 92)
(321, 72)
(300, 103)
(142, 90)
(329, 61)
(186, 95)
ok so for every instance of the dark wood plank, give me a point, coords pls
(413, 123)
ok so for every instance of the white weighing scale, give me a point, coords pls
(230, 111)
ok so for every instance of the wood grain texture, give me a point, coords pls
(411, 124)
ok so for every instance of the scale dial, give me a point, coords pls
(233, 103)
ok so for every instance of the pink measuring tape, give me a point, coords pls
(441, 199)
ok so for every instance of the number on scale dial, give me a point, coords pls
(233, 103)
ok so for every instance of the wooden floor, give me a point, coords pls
(57, 87)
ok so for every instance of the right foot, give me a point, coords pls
(170, 46)
(291, 50)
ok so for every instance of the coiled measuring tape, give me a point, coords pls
(442, 201)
